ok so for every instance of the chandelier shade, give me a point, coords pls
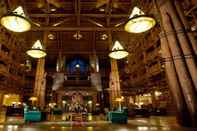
(139, 22)
(118, 52)
(37, 50)
(16, 21)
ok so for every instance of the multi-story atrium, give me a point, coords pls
(98, 65)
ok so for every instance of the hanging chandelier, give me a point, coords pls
(118, 52)
(77, 35)
(139, 22)
(37, 50)
(16, 21)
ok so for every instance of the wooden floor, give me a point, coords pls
(137, 124)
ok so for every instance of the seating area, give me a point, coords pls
(119, 116)
(32, 116)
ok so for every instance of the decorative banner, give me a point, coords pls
(58, 80)
(96, 81)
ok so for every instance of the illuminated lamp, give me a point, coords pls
(16, 21)
(77, 66)
(37, 50)
(77, 35)
(118, 52)
(139, 22)
(119, 100)
(33, 98)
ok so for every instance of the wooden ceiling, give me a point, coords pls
(63, 18)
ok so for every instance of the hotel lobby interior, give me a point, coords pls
(98, 65)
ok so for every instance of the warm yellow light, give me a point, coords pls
(16, 21)
(52, 105)
(90, 118)
(7, 96)
(122, 97)
(10, 99)
(139, 22)
(118, 51)
(158, 93)
(89, 102)
(33, 98)
(37, 50)
(51, 36)
(36, 53)
(119, 99)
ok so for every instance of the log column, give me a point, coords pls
(40, 80)
(182, 111)
(181, 39)
(95, 74)
(154, 102)
(94, 101)
(184, 67)
(59, 99)
(114, 83)
(186, 25)
(1, 99)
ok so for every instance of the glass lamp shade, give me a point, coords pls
(37, 50)
(139, 24)
(36, 53)
(16, 21)
(118, 52)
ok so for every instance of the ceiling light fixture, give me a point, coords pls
(104, 36)
(101, 9)
(37, 50)
(77, 35)
(118, 52)
(139, 22)
(51, 36)
(53, 9)
(77, 66)
(16, 21)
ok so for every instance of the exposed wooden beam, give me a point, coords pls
(108, 12)
(75, 29)
(78, 52)
(78, 12)
(61, 21)
(48, 11)
(86, 15)
(94, 42)
(94, 22)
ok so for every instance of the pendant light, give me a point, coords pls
(37, 50)
(77, 35)
(118, 52)
(139, 22)
(16, 21)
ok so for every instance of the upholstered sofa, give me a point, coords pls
(118, 117)
(32, 116)
(57, 111)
